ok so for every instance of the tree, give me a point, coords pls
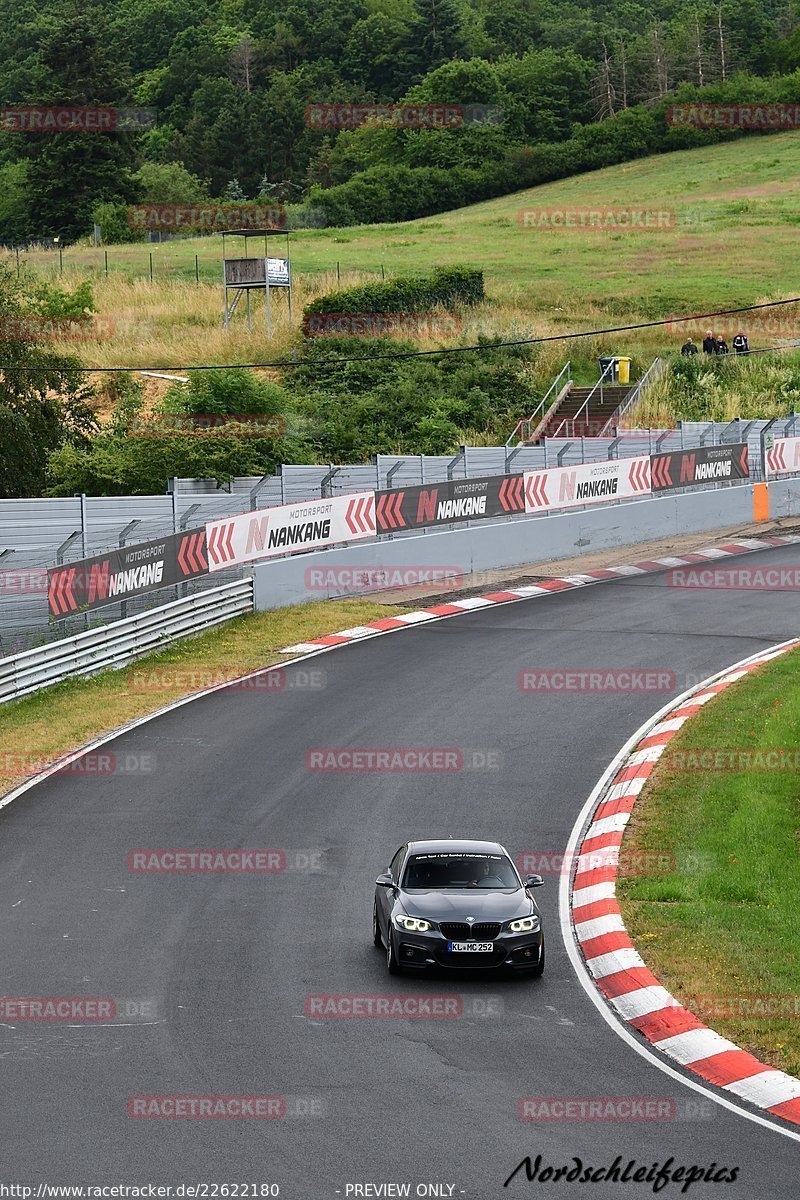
(43, 405)
(78, 66)
(436, 34)
(243, 63)
(169, 183)
(234, 192)
(15, 215)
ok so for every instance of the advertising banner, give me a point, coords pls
(587, 483)
(705, 464)
(784, 456)
(120, 574)
(289, 529)
(443, 503)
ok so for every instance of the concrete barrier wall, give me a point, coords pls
(489, 546)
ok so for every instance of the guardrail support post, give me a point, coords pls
(562, 452)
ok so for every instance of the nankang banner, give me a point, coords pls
(289, 529)
(703, 465)
(588, 483)
(444, 503)
(120, 574)
(783, 457)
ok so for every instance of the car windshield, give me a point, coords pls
(436, 871)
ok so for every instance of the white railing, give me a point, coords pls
(115, 645)
(653, 372)
(522, 429)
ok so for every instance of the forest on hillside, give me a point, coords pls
(230, 83)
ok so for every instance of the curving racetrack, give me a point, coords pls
(227, 961)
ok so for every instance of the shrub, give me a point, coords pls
(444, 288)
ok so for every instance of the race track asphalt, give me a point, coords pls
(211, 971)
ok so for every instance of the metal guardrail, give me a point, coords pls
(115, 645)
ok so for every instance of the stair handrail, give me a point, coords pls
(610, 366)
(528, 421)
(653, 372)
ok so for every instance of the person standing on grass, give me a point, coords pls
(688, 348)
(710, 343)
(740, 343)
(722, 345)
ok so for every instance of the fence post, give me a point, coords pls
(106, 258)
(337, 271)
(17, 250)
(129, 528)
(196, 269)
(60, 552)
(183, 523)
(83, 546)
(151, 266)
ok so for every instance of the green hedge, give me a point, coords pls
(444, 288)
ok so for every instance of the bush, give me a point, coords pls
(445, 288)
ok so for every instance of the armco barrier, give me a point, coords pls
(119, 643)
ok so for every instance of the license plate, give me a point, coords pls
(470, 947)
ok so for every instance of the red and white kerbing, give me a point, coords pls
(616, 966)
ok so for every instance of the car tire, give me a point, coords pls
(376, 928)
(392, 963)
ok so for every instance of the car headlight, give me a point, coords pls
(413, 924)
(524, 925)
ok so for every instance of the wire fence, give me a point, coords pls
(155, 262)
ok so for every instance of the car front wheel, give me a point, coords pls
(392, 965)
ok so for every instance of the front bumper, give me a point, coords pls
(514, 951)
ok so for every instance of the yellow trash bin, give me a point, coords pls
(624, 365)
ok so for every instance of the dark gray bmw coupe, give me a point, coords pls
(459, 904)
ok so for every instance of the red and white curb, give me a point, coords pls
(561, 584)
(618, 970)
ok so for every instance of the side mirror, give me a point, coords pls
(384, 880)
(532, 881)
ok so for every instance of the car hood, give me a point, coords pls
(452, 905)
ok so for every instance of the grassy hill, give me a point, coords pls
(733, 238)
